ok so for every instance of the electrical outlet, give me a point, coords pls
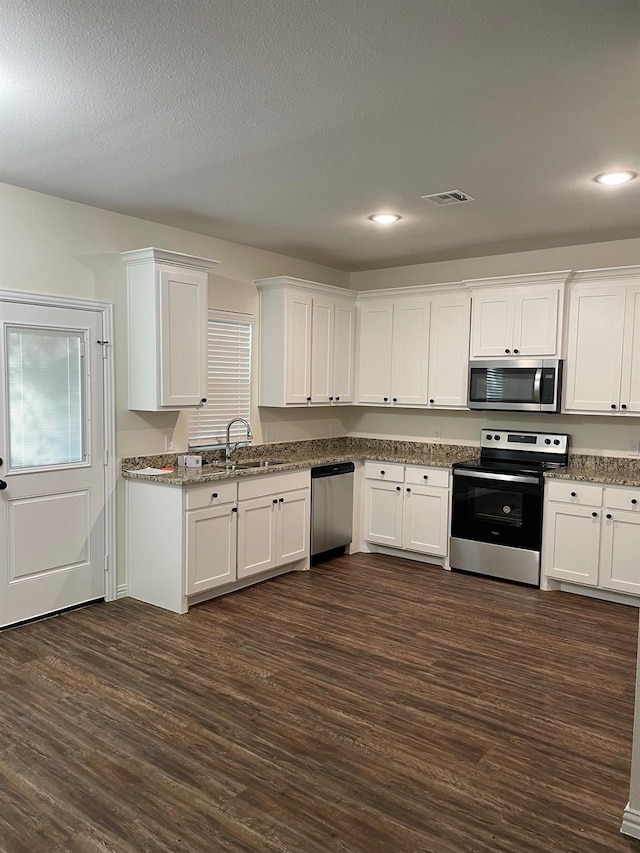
(332, 429)
(634, 447)
(437, 433)
(270, 433)
(168, 443)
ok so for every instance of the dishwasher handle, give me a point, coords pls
(332, 470)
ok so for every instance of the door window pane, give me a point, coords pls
(45, 390)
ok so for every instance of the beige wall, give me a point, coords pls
(590, 256)
(49, 245)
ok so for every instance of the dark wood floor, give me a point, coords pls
(371, 705)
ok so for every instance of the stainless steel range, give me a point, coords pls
(496, 526)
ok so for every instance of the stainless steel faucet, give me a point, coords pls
(228, 447)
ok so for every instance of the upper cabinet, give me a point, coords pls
(413, 349)
(167, 329)
(518, 316)
(307, 340)
(602, 373)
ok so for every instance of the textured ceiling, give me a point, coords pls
(284, 123)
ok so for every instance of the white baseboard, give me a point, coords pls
(631, 822)
(122, 590)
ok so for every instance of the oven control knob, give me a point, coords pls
(497, 437)
(489, 437)
(547, 441)
(556, 441)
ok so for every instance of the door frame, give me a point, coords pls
(105, 310)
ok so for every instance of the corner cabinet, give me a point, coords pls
(517, 316)
(413, 349)
(307, 343)
(167, 329)
(602, 373)
(592, 535)
(185, 545)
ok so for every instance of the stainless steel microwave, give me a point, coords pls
(517, 385)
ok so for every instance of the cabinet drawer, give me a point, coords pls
(427, 476)
(583, 494)
(273, 484)
(211, 494)
(622, 499)
(389, 471)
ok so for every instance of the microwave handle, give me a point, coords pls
(537, 386)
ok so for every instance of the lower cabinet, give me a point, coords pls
(407, 507)
(592, 535)
(188, 541)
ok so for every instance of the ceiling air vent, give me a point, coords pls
(450, 197)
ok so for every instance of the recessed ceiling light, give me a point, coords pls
(385, 218)
(614, 178)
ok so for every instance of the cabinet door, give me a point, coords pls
(630, 384)
(211, 548)
(374, 352)
(449, 351)
(572, 543)
(298, 358)
(183, 337)
(410, 352)
(344, 350)
(293, 528)
(322, 343)
(426, 513)
(383, 513)
(594, 353)
(619, 564)
(256, 535)
(535, 321)
(492, 323)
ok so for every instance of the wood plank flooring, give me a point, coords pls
(369, 706)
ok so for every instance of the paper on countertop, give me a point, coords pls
(150, 471)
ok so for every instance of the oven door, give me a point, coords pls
(504, 509)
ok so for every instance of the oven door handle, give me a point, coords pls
(503, 478)
(537, 386)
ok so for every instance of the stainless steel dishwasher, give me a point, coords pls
(331, 509)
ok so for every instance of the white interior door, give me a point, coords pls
(52, 520)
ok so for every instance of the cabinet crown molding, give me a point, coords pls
(303, 284)
(534, 279)
(412, 290)
(608, 274)
(163, 256)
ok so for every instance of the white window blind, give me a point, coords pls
(228, 380)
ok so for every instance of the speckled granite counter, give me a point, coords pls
(611, 470)
(299, 454)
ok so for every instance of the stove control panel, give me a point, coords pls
(533, 442)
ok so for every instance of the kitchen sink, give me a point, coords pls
(246, 465)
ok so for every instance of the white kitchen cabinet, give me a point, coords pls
(211, 548)
(167, 329)
(521, 316)
(592, 535)
(449, 351)
(307, 343)
(572, 543)
(413, 350)
(375, 341)
(190, 543)
(383, 513)
(407, 507)
(602, 372)
(273, 522)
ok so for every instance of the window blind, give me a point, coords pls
(228, 380)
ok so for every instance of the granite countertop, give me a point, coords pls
(610, 470)
(298, 455)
